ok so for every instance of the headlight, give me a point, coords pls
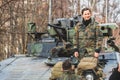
(89, 77)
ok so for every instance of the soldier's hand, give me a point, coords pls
(76, 54)
(119, 67)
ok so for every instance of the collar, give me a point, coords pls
(92, 20)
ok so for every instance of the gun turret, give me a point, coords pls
(107, 30)
(57, 31)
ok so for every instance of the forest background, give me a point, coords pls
(16, 14)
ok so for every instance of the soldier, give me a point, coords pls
(87, 41)
(116, 71)
(88, 38)
(115, 74)
(68, 72)
(62, 51)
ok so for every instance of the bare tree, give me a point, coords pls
(16, 14)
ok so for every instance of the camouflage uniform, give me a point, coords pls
(62, 51)
(69, 75)
(88, 38)
(56, 71)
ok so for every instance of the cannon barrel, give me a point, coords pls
(55, 26)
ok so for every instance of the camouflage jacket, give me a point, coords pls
(67, 75)
(87, 38)
(61, 51)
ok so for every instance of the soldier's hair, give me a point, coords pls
(66, 65)
(85, 9)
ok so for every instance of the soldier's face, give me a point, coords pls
(86, 15)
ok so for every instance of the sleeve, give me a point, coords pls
(76, 35)
(99, 39)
